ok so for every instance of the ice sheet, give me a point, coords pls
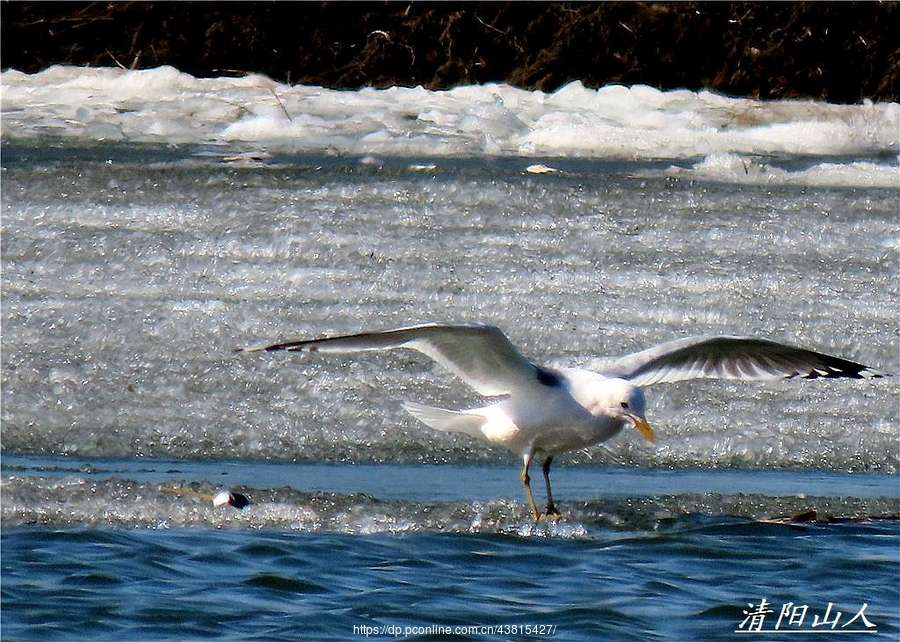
(721, 138)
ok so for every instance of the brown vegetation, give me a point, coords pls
(835, 51)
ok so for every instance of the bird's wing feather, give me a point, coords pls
(732, 358)
(479, 354)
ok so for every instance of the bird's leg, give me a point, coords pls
(552, 511)
(526, 482)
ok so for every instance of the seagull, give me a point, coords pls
(542, 411)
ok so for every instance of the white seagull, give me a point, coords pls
(545, 411)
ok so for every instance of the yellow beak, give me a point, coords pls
(642, 425)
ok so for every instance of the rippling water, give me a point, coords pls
(694, 577)
(131, 274)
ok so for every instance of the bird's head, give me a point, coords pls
(625, 401)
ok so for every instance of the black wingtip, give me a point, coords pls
(261, 349)
(286, 347)
(292, 346)
(847, 370)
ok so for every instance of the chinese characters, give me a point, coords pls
(793, 617)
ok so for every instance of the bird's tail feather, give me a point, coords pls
(446, 420)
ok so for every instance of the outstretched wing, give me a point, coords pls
(480, 355)
(732, 358)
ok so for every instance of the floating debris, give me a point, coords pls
(538, 168)
(228, 498)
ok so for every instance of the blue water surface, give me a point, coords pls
(693, 577)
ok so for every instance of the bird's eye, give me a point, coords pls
(624, 404)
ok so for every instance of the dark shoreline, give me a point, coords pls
(841, 52)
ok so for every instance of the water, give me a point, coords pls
(693, 577)
(143, 243)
